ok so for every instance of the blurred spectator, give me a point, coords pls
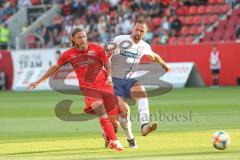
(24, 3)
(43, 32)
(187, 2)
(156, 8)
(126, 24)
(67, 9)
(94, 8)
(199, 2)
(77, 23)
(80, 7)
(64, 40)
(103, 19)
(56, 37)
(102, 29)
(51, 34)
(8, 10)
(165, 24)
(69, 26)
(114, 3)
(149, 37)
(4, 36)
(165, 3)
(232, 3)
(238, 32)
(163, 37)
(176, 25)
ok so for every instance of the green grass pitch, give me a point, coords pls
(29, 129)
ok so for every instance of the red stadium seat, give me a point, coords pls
(156, 21)
(181, 18)
(181, 40)
(155, 40)
(189, 39)
(31, 41)
(226, 8)
(200, 29)
(221, 1)
(182, 11)
(206, 20)
(201, 10)
(193, 30)
(189, 20)
(172, 40)
(184, 30)
(192, 10)
(213, 19)
(218, 9)
(197, 20)
(213, 1)
(210, 9)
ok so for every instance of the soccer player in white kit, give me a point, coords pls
(127, 50)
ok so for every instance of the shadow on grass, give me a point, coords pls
(89, 151)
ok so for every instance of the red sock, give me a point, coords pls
(108, 128)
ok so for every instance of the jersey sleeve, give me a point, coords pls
(102, 54)
(147, 50)
(63, 58)
(112, 44)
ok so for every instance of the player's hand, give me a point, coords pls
(166, 67)
(32, 86)
(109, 81)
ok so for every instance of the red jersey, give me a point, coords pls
(88, 64)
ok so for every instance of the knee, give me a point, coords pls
(138, 92)
(124, 113)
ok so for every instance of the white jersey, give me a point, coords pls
(215, 60)
(127, 55)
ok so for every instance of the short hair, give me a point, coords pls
(141, 21)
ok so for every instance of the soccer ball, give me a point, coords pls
(221, 140)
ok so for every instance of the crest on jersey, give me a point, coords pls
(91, 53)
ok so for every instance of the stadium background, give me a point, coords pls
(180, 31)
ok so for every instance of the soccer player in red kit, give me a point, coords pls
(94, 75)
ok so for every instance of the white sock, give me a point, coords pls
(126, 125)
(143, 110)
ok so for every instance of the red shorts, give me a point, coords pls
(103, 94)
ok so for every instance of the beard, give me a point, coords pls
(83, 46)
(136, 38)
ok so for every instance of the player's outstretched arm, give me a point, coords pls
(48, 74)
(109, 73)
(156, 58)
